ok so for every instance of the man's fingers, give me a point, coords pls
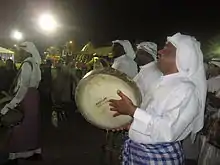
(113, 109)
(113, 104)
(116, 114)
(113, 101)
(122, 95)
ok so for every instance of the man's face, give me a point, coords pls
(117, 50)
(23, 54)
(143, 58)
(167, 58)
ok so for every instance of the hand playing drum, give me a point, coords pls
(93, 95)
(126, 128)
(98, 89)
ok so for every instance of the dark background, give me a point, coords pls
(102, 21)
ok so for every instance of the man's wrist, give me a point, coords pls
(132, 111)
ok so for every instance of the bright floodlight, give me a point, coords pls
(17, 35)
(47, 23)
(71, 42)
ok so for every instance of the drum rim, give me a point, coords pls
(113, 72)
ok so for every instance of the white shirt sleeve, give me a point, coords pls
(178, 112)
(26, 71)
(116, 65)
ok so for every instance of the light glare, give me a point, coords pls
(17, 35)
(47, 23)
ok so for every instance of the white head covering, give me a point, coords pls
(189, 61)
(150, 48)
(216, 62)
(129, 51)
(31, 48)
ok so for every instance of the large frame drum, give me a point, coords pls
(95, 90)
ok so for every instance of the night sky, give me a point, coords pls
(102, 21)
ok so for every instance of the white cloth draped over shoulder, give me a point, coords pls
(126, 63)
(175, 106)
(30, 76)
(193, 69)
(147, 78)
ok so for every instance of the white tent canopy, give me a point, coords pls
(6, 54)
(5, 51)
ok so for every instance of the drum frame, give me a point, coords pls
(108, 71)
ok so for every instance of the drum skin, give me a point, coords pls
(95, 90)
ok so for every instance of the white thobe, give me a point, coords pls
(126, 65)
(167, 113)
(147, 77)
(30, 77)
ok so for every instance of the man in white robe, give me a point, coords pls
(146, 58)
(24, 141)
(124, 56)
(173, 110)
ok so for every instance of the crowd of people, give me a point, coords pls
(173, 83)
(8, 72)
